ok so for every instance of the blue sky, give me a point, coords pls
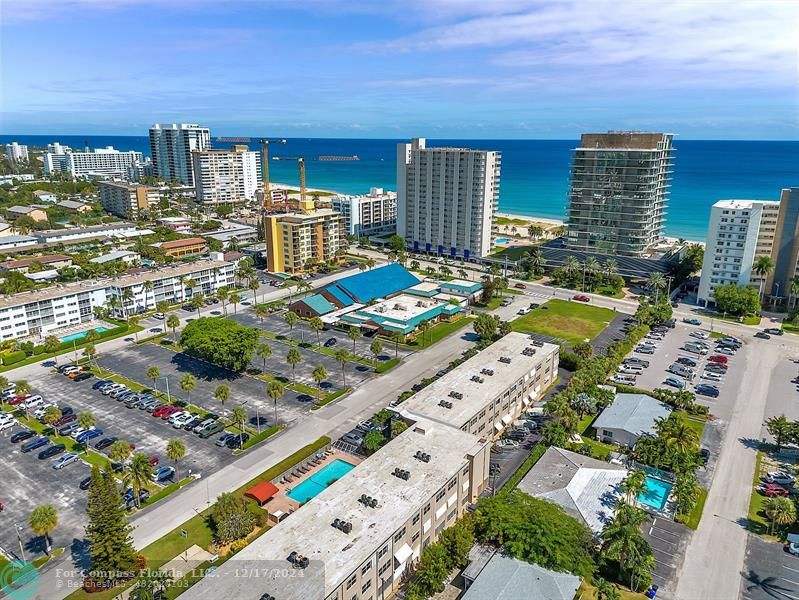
(710, 69)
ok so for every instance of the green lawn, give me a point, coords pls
(570, 321)
(585, 423)
(387, 365)
(513, 252)
(696, 423)
(693, 519)
(329, 398)
(756, 519)
(509, 221)
(747, 320)
(440, 331)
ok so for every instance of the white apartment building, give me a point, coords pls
(125, 199)
(102, 162)
(40, 312)
(418, 485)
(16, 152)
(223, 176)
(447, 198)
(485, 394)
(171, 146)
(57, 148)
(140, 170)
(370, 214)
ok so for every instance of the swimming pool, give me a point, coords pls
(317, 482)
(656, 493)
(82, 334)
(501, 240)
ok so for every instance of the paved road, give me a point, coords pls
(715, 555)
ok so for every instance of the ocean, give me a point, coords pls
(535, 173)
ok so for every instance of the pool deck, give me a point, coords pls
(281, 502)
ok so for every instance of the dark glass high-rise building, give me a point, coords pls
(619, 188)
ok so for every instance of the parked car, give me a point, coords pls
(716, 368)
(34, 444)
(211, 429)
(176, 416)
(206, 422)
(66, 419)
(631, 369)
(170, 412)
(507, 302)
(705, 389)
(622, 379)
(680, 370)
(634, 360)
(237, 441)
(68, 429)
(779, 477)
(674, 382)
(181, 421)
(21, 436)
(105, 443)
(52, 451)
(85, 483)
(763, 335)
(63, 461)
(353, 437)
(726, 350)
(718, 358)
(684, 360)
(159, 316)
(89, 435)
(772, 490)
(774, 331)
(163, 474)
(692, 321)
(694, 349)
(581, 298)
(330, 342)
(223, 439)
(83, 376)
(101, 383)
(699, 335)
(711, 375)
(645, 349)
(129, 498)
(704, 455)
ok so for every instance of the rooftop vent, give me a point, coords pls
(402, 474)
(504, 359)
(445, 404)
(368, 501)
(456, 395)
(267, 597)
(538, 344)
(298, 560)
(424, 457)
(528, 351)
(477, 379)
(342, 525)
(488, 372)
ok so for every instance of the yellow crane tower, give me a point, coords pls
(305, 205)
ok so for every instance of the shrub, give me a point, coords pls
(10, 358)
(569, 361)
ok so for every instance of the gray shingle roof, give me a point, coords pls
(507, 578)
(635, 413)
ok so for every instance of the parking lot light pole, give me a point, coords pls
(19, 539)
(168, 397)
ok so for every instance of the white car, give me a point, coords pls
(712, 376)
(39, 412)
(177, 416)
(727, 351)
(34, 402)
(630, 369)
(653, 335)
(779, 477)
(623, 379)
(80, 430)
(699, 335)
(159, 316)
(63, 461)
(182, 420)
(7, 424)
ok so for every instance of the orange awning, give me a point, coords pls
(262, 492)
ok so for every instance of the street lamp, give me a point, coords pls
(19, 539)
(168, 397)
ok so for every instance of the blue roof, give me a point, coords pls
(319, 304)
(377, 283)
(339, 295)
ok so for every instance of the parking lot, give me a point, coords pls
(667, 540)
(770, 572)
(505, 460)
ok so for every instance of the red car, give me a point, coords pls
(772, 490)
(581, 298)
(65, 420)
(158, 412)
(718, 358)
(169, 412)
(18, 400)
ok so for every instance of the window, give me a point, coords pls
(382, 552)
(440, 494)
(366, 568)
(452, 483)
(351, 581)
(399, 535)
(366, 586)
(607, 433)
(414, 537)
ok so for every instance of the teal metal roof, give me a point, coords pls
(319, 304)
(472, 287)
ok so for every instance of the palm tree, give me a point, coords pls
(590, 267)
(317, 325)
(147, 287)
(238, 417)
(275, 391)
(222, 393)
(223, 293)
(43, 520)
(341, 358)
(153, 373)
(762, 266)
(127, 298)
(633, 486)
(253, 286)
(162, 306)
(376, 348)
(86, 420)
(537, 260)
(264, 352)
(175, 451)
(173, 322)
(445, 270)
(291, 319)
(113, 303)
(133, 321)
(197, 302)
(234, 299)
(319, 374)
(140, 471)
(463, 274)
(23, 388)
(3, 385)
(187, 383)
(52, 345)
(780, 511)
(119, 451)
(571, 265)
(353, 333)
(51, 415)
(622, 539)
(261, 312)
(611, 268)
(657, 282)
(677, 434)
(794, 289)
(424, 326)
(370, 263)
(293, 358)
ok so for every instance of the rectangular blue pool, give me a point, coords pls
(317, 482)
(656, 493)
(501, 240)
(82, 334)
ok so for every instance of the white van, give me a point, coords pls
(523, 311)
(631, 369)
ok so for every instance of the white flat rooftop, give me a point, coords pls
(476, 396)
(401, 308)
(743, 204)
(334, 554)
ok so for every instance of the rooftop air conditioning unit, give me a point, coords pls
(267, 597)
(346, 527)
(504, 359)
(538, 344)
(487, 372)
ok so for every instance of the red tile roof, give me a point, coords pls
(184, 242)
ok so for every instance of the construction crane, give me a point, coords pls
(301, 164)
(267, 205)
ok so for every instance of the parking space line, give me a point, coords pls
(784, 566)
(790, 581)
(673, 542)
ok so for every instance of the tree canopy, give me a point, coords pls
(222, 342)
(736, 299)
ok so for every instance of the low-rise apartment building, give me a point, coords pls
(185, 247)
(485, 394)
(388, 509)
(293, 240)
(72, 235)
(35, 213)
(370, 214)
(39, 312)
(125, 199)
(51, 261)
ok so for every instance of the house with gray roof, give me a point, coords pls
(508, 578)
(628, 418)
(584, 487)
